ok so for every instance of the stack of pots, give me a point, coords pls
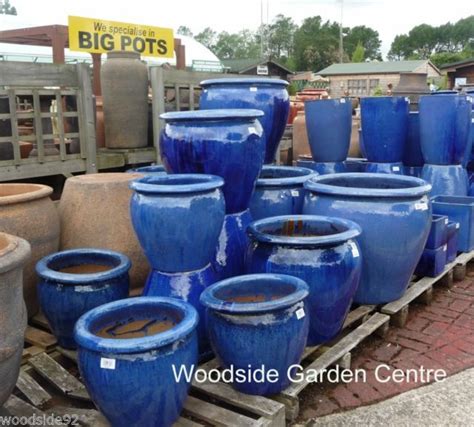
(445, 126)
(384, 122)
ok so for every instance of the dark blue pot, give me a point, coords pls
(413, 155)
(432, 262)
(250, 319)
(131, 380)
(279, 191)
(413, 171)
(321, 251)
(64, 297)
(392, 168)
(232, 245)
(394, 213)
(384, 122)
(226, 143)
(448, 180)
(149, 170)
(438, 235)
(445, 92)
(322, 168)
(361, 144)
(445, 123)
(355, 164)
(453, 232)
(173, 215)
(267, 95)
(329, 126)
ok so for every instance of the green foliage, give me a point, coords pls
(184, 31)
(358, 54)
(208, 37)
(6, 8)
(292, 89)
(365, 36)
(378, 91)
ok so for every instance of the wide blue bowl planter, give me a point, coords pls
(320, 250)
(329, 126)
(412, 156)
(384, 123)
(448, 180)
(250, 319)
(267, 95)
(394, 213)
(149, 170)
(279, 191)
(227, 143)
(322, 168)
(75, 281)
(127, 351)
(445, 123)
(392, 168)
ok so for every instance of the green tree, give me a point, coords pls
(241, 45)
(208, 37)
(367, 37)
(400, 48)
(423, 39)
(184, 31)
(359, 53)
(6, 8)
(280, 37)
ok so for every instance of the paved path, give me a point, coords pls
(448, 403)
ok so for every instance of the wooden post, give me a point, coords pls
(158, 105)
(96, 65)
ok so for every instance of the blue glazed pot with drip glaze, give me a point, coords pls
(267, 95)
(320, 250)
(149, 170)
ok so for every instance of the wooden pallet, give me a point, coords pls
(421, 290)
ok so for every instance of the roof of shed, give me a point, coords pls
(373, 67)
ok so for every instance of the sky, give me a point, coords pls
(388, 17)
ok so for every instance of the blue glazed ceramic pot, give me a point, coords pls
(447, 180)
(438, 235)
(267, 95)
(322, 168)
(413, 156)
(75, 281)
(251, 319)
(320, 250)
(226, 143)
(174, 215)
(453, 232)
(279, 191)
(432, 262)
(384, 122)
(127, 350)
(392, 168)
(445, 123)
(149, 170)
(394, 213)
(355, 164)
(329, 126)
(361, 144)
(445, 92)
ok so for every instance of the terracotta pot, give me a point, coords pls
(300, 136)
(14, 253)
(95, 213)
(27, 211)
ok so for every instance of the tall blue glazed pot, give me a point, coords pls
(445, 122)
(177, 219)
(258, 321)
(320, 250)
(384, 123)
(394, 213)
(446, 180)
(267, 95)
(130, 376)
(75, 281)
(227, 143)
(329, 126)
(413, 157)
(279, 191)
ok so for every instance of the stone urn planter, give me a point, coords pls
(27, 211)
(14, 253)
(95, 213)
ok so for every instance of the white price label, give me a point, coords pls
(295, 193)
(446, 221)
(355, 250)
(445, 247)
(253, 89)
(252, 130)
(457, 225)
(396, 168)
(300, 313)
(421, 206)
(107, 363)
(343, 101)
(407, 99)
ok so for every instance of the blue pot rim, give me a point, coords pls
(209, 299)
(147, 169)
(86, 339)
(374, 98)
(43, 270)
(212, 115)
(353, 230)
(244, 81)
(347, 100)
(304, 174)
(317, 184)
(159, 184)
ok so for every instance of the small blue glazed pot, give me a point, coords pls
(75, 281)
(149, 170)
(384, 123)
(445, 123)
(438, 235)
(177, 219)
(413, 171)
(267, 95)
(394, 212)
(432, 262)
(127, 351)
(392, 168)
(322, 168)
(279, 191)
(354, 164)
(329, 126)
(453, 232)
(320, 250)
(413, 156)
(226, 143)
(250, 319)
(446, 180)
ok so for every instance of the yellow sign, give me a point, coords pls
(99, 36)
